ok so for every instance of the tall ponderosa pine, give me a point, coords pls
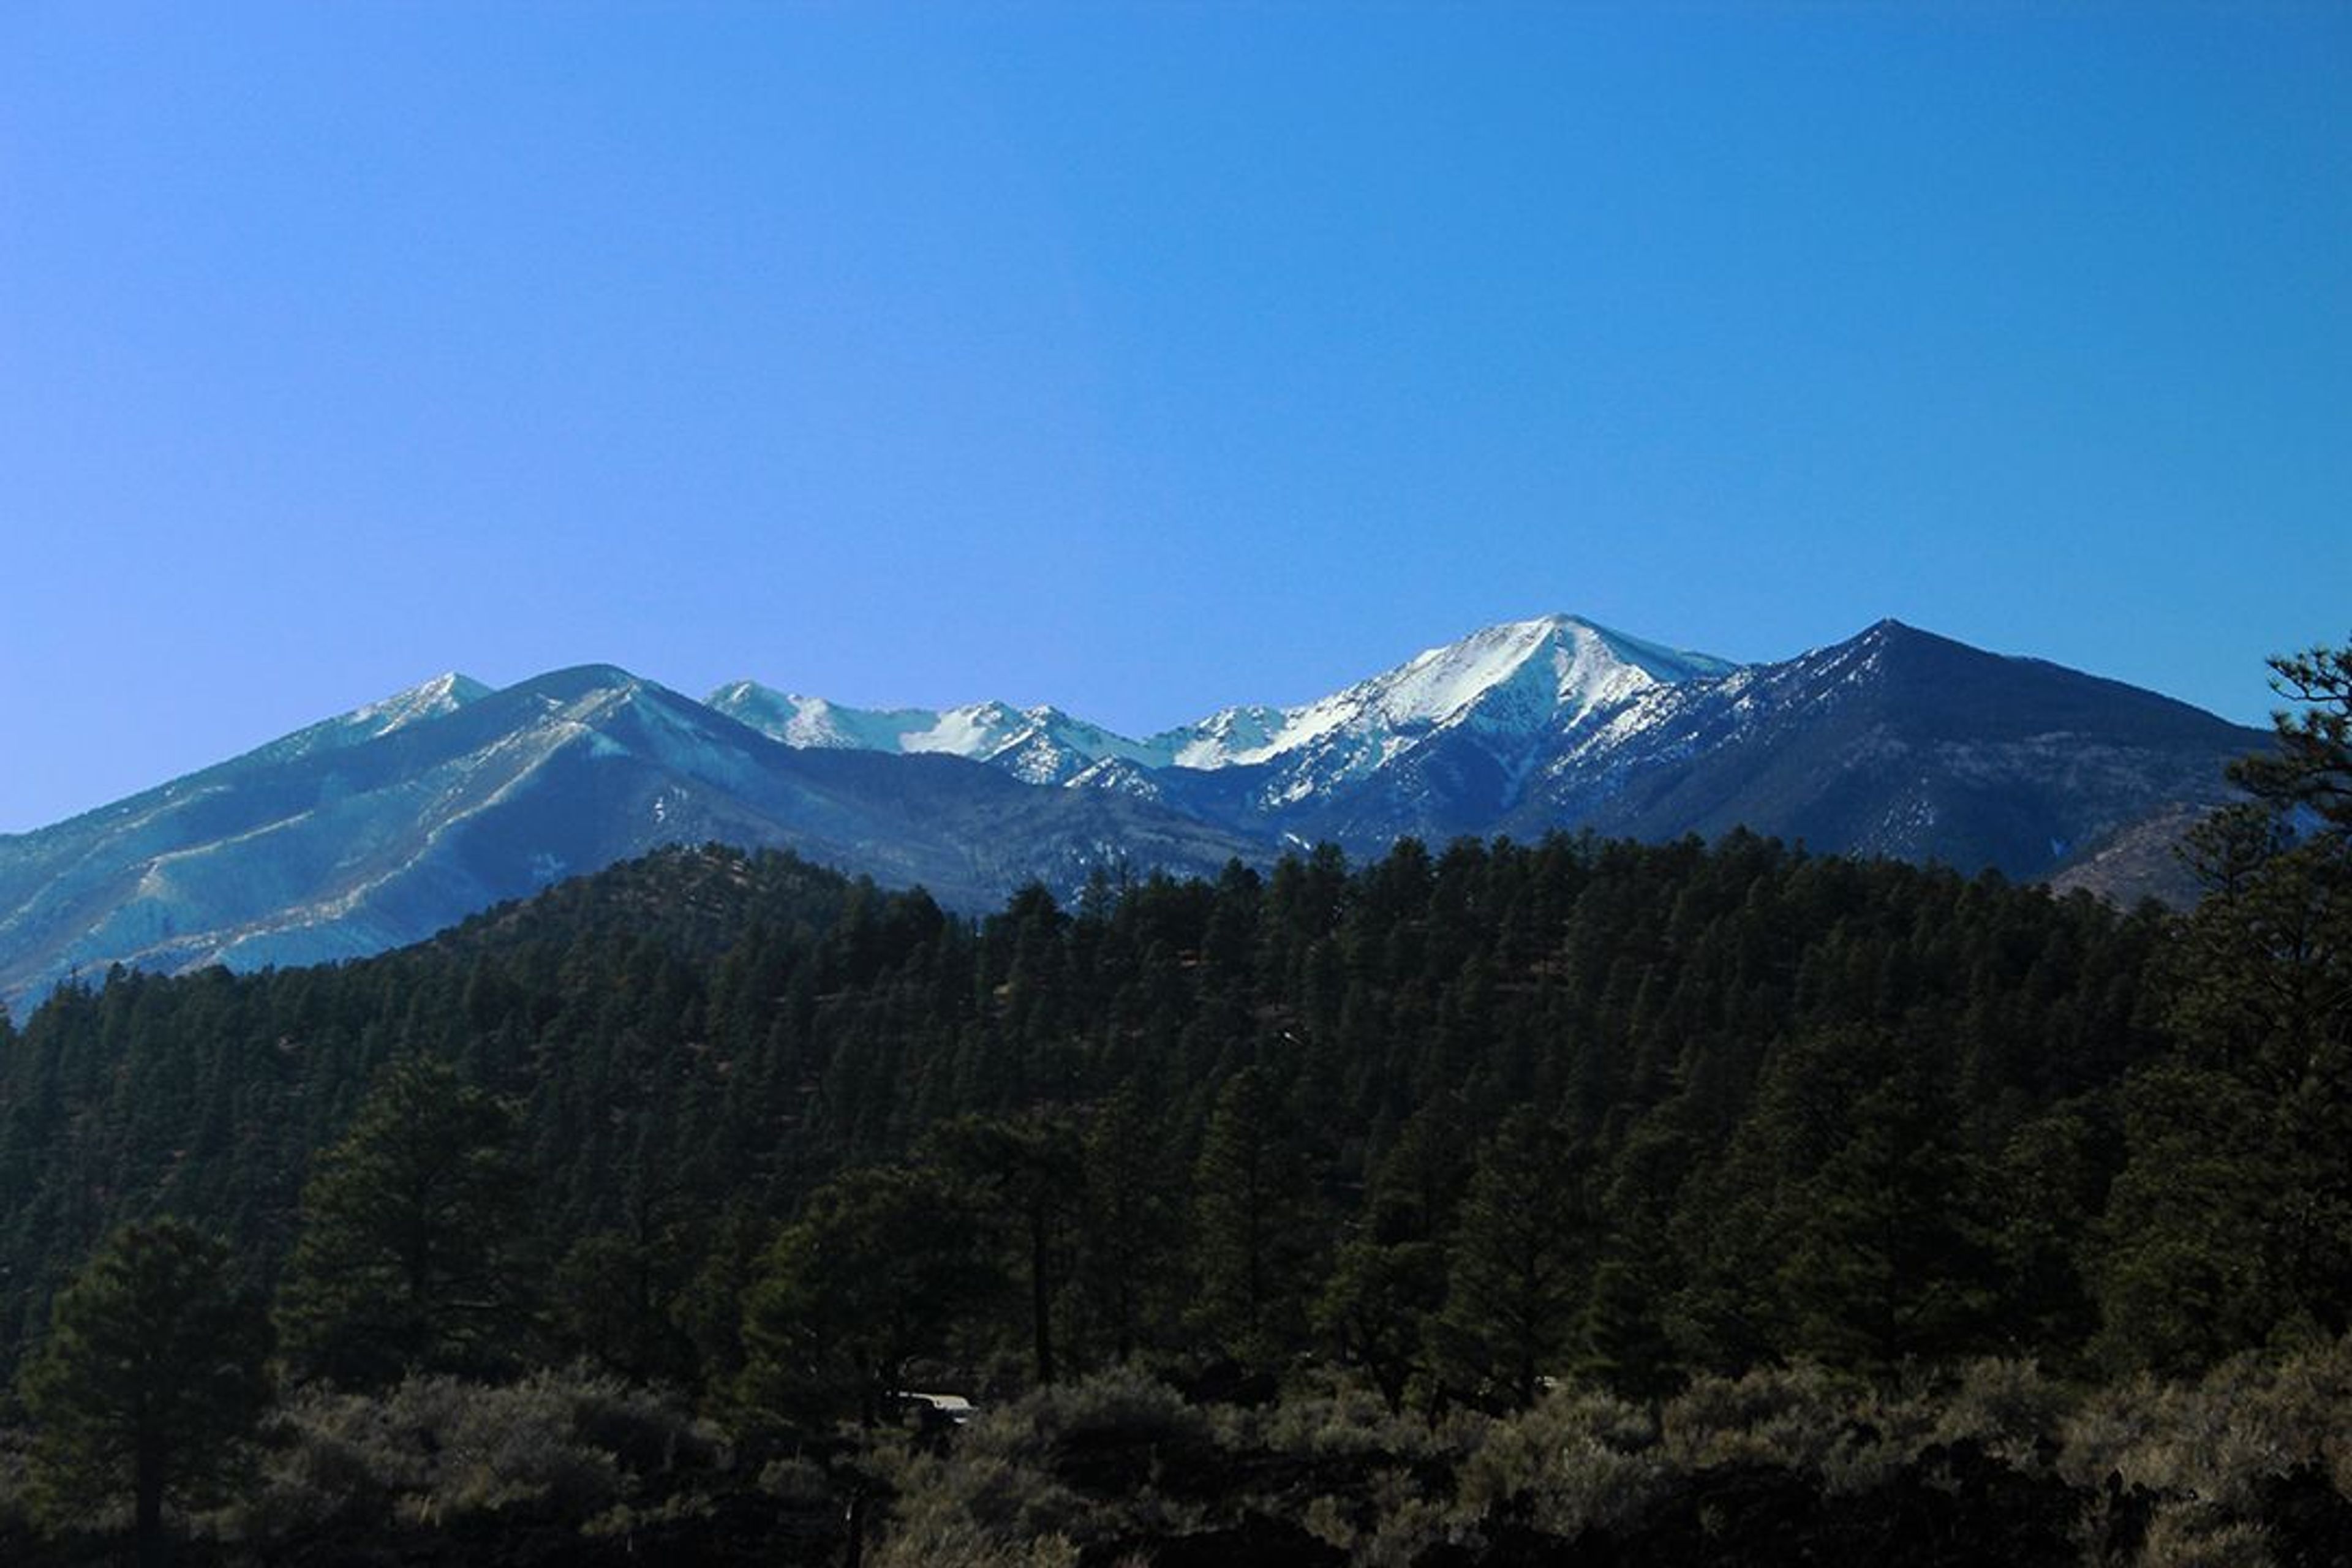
(151, 1380)
(407, 1256)
(1130, 1240)
(1374, 1305)
(617, 1291)
(1026, 1177)
(882, 1267)
(2231, 1224)
(1388, 1277)
(1253, 1232)
(1886, 1259)
(1515, 1286)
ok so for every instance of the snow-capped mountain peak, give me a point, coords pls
(1544, 675)
(442, 694)
(381, 824)
(1553, 667)
(1517, 681)
(429, 699)
(815, 724)
(1040, 744)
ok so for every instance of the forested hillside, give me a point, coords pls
(1450, 1128)
(1307, 1081)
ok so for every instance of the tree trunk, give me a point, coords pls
(1041, 1290)
(154, 1550)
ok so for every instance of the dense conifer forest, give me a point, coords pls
(1573, 1200)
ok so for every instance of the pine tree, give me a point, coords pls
(881, 1269)
(1627, 1349)
(406, 1260)
(151, 1380)
(2182, 1280)
(1132, 1235)
(1026, 1178)
(2231, 1222)
(1888, 1260)
(617, 1289)
(1252, 1231)
(1389, 1278)
(1373, 1305)
(1514, 1285)
(709, 1309)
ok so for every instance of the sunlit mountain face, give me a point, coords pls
(382, 825)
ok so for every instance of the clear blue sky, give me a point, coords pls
(1143, 359)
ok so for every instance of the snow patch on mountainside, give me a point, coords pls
(1121, 777)
(1225, 739)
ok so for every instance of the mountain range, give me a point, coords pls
(382, 825)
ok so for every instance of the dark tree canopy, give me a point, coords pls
(406, 1260)
(2231, 1222)
(151, 1380)
(1520, 1259)
(880, 1270)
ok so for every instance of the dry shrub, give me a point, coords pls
(1123, 1407)
(1020, 1486)
(2251, 1419)
(796, 1479)
(1885, 1431)
(1797, 1417)
(2209, 1448)
(1405, 1529)
(1326, 1519)
(2007, 1406)
(623, 1520)
(1342, 1419)
(1370, 1470)
(568, 1444)
(334, 1458)
(985, 1513)
(15, 1478)
(2191, 1538)
(2107, 1433)
(1856, 1440)
(519, 1446)
(1578, 1462)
